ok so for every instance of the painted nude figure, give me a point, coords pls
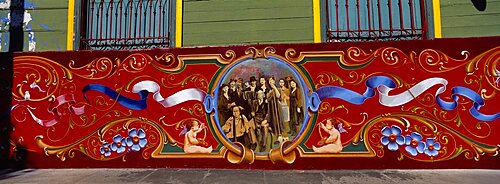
(193, 144)
(330, 143)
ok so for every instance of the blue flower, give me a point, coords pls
(118, 144)
(414, 144)
(392, 137)
(431, 148)
(137, 139)
(105, 150)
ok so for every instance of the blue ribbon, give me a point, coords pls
(127, 102)
(373, 82)
(473, 96)
(354, 97)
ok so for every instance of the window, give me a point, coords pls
(375, 20)
(125, 24)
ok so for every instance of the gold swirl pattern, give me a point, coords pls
(169, 61)
(442, 133)
(198, 80)
(89, 144)
(197, 110)
(264, 53)
(434, 61)
(329, 78)
(102, 68)
(483, 129)
(327, 108)
(490, 58)
(227, 58)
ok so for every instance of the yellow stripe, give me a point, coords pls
(178, 23)
(437, 18)
(317, 21)
(71, 21)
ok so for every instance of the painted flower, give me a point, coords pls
(414, 144)
(431, 147)
(137, 139)
(118, 144)
(105, 149)
(391, 137)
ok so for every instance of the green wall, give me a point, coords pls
(459, 18)
(49, 24)
(53, 14)
(228, 22)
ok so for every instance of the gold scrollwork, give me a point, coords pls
(430, 128)
(198, 80)
(328, 78)
(434, 61)
(196, 110)
(257, 53)
(327, 108)
(95, 138)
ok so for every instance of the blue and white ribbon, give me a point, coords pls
(143, 89)
(385, 84)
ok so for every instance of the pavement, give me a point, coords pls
(108, 176)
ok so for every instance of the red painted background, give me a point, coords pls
(75, 140)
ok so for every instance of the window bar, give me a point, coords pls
(154, 18)
(121, 19)
(327, 21)
(369, 18)
(140, 19)
(130, 19)
(337, 18)
(389, 4)
(101, 9)
(85, 19)
(150, 16)
(169, 21)
(164, 9)
(379, 20)
(91, 19)
(160, 18)
(423, 20)
(359, 18)
(412, 16)
(116, 19)
(401, 21)
(109, 16)
(109, 20)
(347, 16)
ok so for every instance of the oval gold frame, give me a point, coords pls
(236, 152)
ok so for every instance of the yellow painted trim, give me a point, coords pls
(317, 21)
(437, 18)
(71, 21)
(178, 23)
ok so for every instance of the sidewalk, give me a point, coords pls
(108, 176)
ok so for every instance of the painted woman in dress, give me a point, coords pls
(296, 111)
(274, 110)
(285, 104)
(263, 85)
(224, 102)
(193, 144)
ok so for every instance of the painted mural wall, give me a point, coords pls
(44, 24)
(410, 104)
(463, 19)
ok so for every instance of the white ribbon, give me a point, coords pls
(410, 94)
(175, 99)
